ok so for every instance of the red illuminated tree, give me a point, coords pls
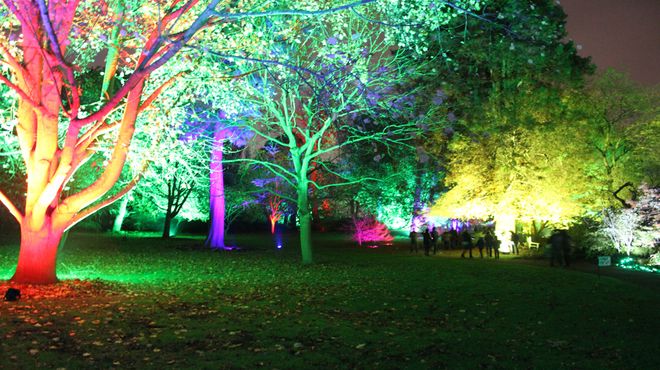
(44, 77)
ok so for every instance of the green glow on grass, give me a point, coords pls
(6, 272)
(128, 278)
(629, 263)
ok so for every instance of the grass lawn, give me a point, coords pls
(147, 303)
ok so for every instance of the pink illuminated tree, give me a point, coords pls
(368, 229)
(275, 215)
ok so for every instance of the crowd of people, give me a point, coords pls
(434, 239)
(437, 238)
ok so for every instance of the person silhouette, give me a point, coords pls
(426, 236)
(489, 240)
(466, 243)
(413, 240)
(480, 244)
(556, 243)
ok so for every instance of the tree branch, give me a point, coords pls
(11, 207)
(305, 13)
(616, 194)
(91, 210)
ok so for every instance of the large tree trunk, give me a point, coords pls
(305, 224)
(167, 224)
(216, 237)
(37, 256)
(121, 214)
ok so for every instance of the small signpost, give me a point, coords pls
(604, 261)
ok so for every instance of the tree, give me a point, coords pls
(508, 90)
(311, 102)
(620, 120)
(635, 229)
(369, 229)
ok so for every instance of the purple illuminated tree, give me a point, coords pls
(217, 202)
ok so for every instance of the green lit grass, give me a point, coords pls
(174, 304)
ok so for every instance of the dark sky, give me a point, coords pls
(623, 34)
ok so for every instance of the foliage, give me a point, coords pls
(390, 199)
(620, 226)
(509, 144)
(531, 174)
(620, 120)
(635, 230)
(368, 229)
(312, 104)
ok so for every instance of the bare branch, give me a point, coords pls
(91, 210)
(275, 168)
(154, 95)
(11, 207)
(304, 13)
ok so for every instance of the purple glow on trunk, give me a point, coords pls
(216, 238)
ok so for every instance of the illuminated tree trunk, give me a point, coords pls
(417, 219)
(305, 222)
(216, 237)
(178, 192)
(313, 199)
(121, 214)
(38, 254)
(275, 215)
(273, 221)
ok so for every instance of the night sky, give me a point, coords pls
(621, 34)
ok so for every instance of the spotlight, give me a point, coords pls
(12, 294)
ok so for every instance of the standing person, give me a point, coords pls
(453, 239)
(556, 244)
(426, 236)
(515, 241)
(466, 242)
(434, 239)
(413, 240)
(489, 240)
(480, 244)
(496, 246)
(446, 240)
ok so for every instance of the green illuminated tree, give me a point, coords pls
(312, 103)
(621, 120)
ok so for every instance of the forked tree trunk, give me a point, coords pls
(273, 221)
(37, 257)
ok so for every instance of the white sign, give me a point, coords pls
(604, 261)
